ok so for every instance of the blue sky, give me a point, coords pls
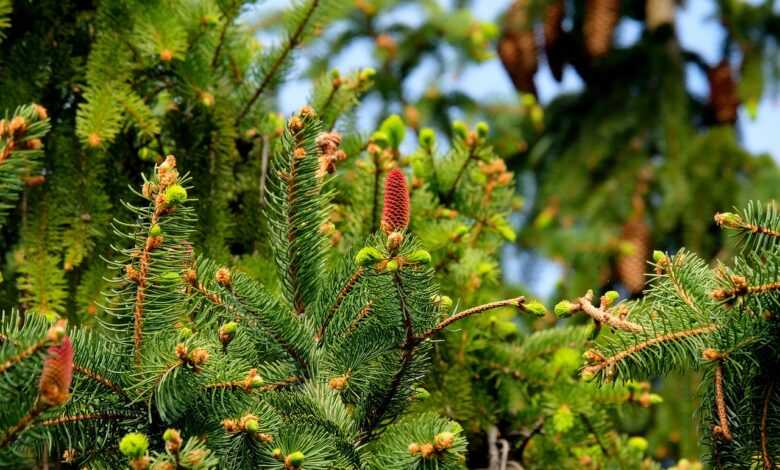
(697, 28)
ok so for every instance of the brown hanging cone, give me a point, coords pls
(724, 97)
(631, 266)
(601, 17)
(553, 44)
(659, 13)
(517, 47)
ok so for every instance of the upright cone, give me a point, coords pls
(517, 47)
(601, 17)
(57, 374)
(395, 212)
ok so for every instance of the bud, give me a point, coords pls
(380, 139)
(395, 129)
(414, 448)
(175, 194)
(170, 278)
(366, 74)
(277, 454)
(460, 129)
(710, 354)
(611, 296)
(252, 425)
(223, 277)
(421, 394)
(395, 212)
(537, 308)
(427, 137)
(659, 256)
(443, 440)
(482, 129)
(173, 440)
(564, 308)
(728, 220)
(419, 256)
(426, 450)
(155, 230)
(227, 332)
(587, 375)
(166, 55)
(338, 383)
(394, 240)
(94, 140)
(134, 445)
(392, 265)
(638, 443)
(294, 460)
(56, 332)
(199, 356)
(443, 301)
(57, 374)
(367, 255)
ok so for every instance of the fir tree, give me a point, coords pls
(320, 377)
(717, 320)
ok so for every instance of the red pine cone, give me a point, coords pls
(553, 45)
(57, 373)
(724, 97)
(601, 17)
(517, 47)
(395, 213)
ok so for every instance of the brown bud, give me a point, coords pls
(33, 144)
(710, 354)
(94, 140)
(223, 277)
(295, 124)
(199, 356)
(427, 450)
(41, 112)
(166, 55)
(414, 448)
(338, 383)
(17, 126)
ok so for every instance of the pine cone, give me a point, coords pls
(57, 373)
(517, 47)
(631, 266)
(395, 212)
(553, 44)
(724, 97)
(601, 17)
(659, 13)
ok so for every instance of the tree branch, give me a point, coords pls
(612, 360)
(343, 293)
(605, 317)
(721, 429)
(292, 43)
(766, 459)
(516, 302)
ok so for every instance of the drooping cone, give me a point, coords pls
(601, 17)
(724, 96)
(517, 47)
(553, 44)
(659, 13)
(632, 264)
(57, 373)
(395, 212)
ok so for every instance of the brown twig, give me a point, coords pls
(764, 438)
(363, 313)
(612, 360)
(104, 381)
(10, 436)
(85, 417)
(607, 318)
(720, 402)
(537, 429)
(23, 355)
(243, 385)
(343, 293)
(516, 302)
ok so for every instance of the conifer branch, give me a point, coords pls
(743, 289)
(191, 278)
(766, 459)
(375, 199)
(362, 314)
(722, 428)
(65, 419)
(516, 302)
(605, 317)
(734, 221)
(292, 43)
(11, 434)
(620, 356)
(343, 293)
(247, 386)
(104, 381)
(451, 193)
(23, 355)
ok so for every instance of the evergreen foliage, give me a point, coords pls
(207, 352)
(717, 320)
